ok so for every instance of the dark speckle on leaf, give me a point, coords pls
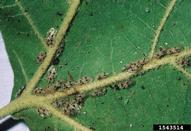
(120, 98)
(59, 13)
(55, 61)
(92, 128)
(179, 78)
(26, 10)
(142, 87)
(174, 24)
(86, 3)
(48, 128)
(91, 14)
(147, 10)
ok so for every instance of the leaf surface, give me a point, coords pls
(104, 36)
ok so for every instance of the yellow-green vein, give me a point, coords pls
(30, 21)
(21, 65)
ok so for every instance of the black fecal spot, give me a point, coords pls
(61, 19)
(174, 24)
(91, 14)
(19, 20)
(26, 10)
(59, 13)
(142, 87)
(57, 26)
(27, 34)
(92, 128)
(86, 2)
(179, 78)
(48, 128)
(18, 33)
(66, 64)
(184, 84)
(102, 102)
(121, 27)
(167, 105)
(143, 125)
(88, 40)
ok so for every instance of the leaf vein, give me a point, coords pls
(21, 65)
(160, 27)
(30, 21)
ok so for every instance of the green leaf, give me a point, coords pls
(104, 36)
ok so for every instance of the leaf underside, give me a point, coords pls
(103, 37)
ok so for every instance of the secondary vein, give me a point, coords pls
(30, 21)
(160, 27)
(21, 65)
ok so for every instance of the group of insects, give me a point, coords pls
(123, 84)
(43, 112)
(135, 66)
(62, 85)
(184, 62)
(71, 105)
(50, 37)
(41, 56)
(167, 51)
(49, 40)
(51, 73)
